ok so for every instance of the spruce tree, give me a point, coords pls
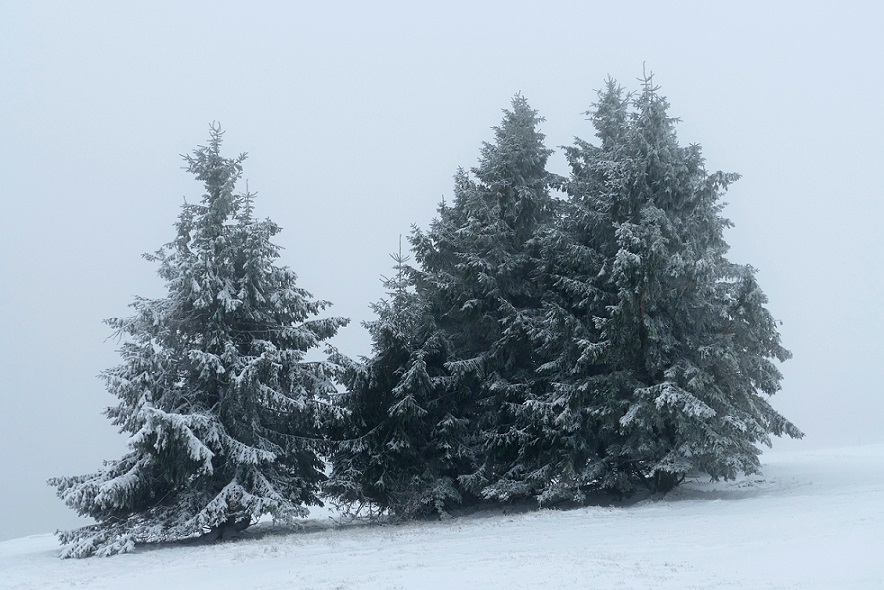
(481, 276)
(574, 413)
(388, 459)
(434, 412)
(668, 349)
(224, 414)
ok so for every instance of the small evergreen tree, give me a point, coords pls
(667, 349)
(223, 412)
(387, 458)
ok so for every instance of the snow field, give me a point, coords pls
(813, 520)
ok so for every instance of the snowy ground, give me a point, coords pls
(813, 520)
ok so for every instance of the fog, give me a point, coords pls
(355, 117)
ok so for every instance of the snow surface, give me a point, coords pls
(813, 520)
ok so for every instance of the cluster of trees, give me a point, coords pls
(555, 336)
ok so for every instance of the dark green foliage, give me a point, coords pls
(675, 349)
(435, 411)
(393, 454)
(481, 275)
(602, 342)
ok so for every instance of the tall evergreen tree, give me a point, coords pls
(223, 412)
(433, 412)
(574, 412)
(668, 348)
(480, 274)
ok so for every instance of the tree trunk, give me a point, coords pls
(665, 481)
(229, 529)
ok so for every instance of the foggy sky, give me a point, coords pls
(355, 117)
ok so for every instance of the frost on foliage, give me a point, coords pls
(224, 416)
(484, 278)
(662, 347)
(546, 347)
(452, 356)
(387, 460)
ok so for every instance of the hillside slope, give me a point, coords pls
(813, 520)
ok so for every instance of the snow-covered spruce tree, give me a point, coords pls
(387, 458)
(668, 350)
(574, 412)
(223, 412)
(480, 275)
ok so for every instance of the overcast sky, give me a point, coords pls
(355, 117)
